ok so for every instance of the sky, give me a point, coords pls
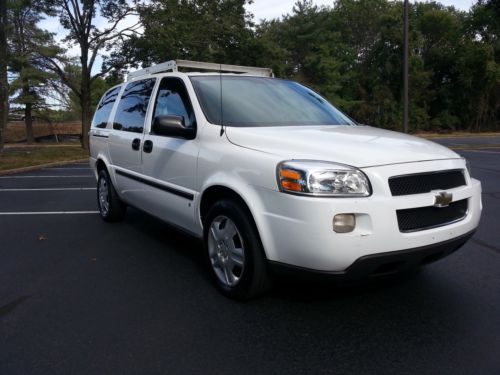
(261, 9)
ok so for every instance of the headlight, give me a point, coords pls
(322, 178)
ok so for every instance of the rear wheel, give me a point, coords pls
(111, 208)
(234, 251)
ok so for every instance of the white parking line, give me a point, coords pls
(50, 189)
(73, 176)
(49, 213)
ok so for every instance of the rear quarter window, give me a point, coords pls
(103, 111)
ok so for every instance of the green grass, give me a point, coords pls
(19, 157)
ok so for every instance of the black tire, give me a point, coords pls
(111, 208)
(253, 279)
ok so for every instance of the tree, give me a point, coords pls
(479, 66)
(208, 30)
(98, 87)
(79, 18)
(4, 96)
(29, 46)
(351, 53)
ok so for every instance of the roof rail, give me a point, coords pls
(174, 65)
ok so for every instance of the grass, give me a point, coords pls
(19, 157)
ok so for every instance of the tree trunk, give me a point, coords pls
(4, 96)
(86, 118)
(85, 100)
(28, 118)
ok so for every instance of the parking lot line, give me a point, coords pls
(72, 176)
(50, 189)
(49, 213)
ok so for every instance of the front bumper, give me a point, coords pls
(297, 230)
(382, 264)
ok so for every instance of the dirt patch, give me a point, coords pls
(16, 131)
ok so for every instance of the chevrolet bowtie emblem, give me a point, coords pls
(442, 199)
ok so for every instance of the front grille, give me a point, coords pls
(414, 219)
(425, 182)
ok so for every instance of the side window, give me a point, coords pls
(103, 111)
(133, 106)
(173, 99)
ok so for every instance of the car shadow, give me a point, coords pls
(286, 288)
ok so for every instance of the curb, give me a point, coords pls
(475, 147)
(40, 166)
(455, 136)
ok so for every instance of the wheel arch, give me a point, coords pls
(100, 165)
(217, 192)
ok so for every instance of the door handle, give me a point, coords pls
(148, 146)
(136, 144)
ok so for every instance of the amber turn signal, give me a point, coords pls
(290, 174)
(290, 180)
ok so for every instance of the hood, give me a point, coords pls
(359, 146)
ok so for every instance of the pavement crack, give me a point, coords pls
(4, 310)
(486, 245)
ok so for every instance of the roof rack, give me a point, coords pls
(174, 65)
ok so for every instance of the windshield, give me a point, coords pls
(258, 101)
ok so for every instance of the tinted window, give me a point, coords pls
(173, 99)
(256, 101)
(104, 109)
(133, 106)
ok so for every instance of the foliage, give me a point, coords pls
(4, 96)
(351, 53)
(98, 87)
(28, 47)
(208, 30)
(79, 18)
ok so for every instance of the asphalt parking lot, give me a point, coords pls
(80, 296)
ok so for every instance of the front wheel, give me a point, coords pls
(111, 208)
(234, 251)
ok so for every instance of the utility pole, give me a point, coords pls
(4, 96)
(405, 68)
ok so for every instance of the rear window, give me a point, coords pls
(133, 105)
(103, 111)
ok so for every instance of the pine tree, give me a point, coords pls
(29, 46)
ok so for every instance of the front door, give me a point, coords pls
(169, 162)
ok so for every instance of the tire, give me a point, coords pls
(111, 208)
(234, 252)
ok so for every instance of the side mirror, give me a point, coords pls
(172, 126)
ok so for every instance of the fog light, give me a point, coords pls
(344, 223)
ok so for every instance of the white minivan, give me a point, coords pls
(274, 178)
